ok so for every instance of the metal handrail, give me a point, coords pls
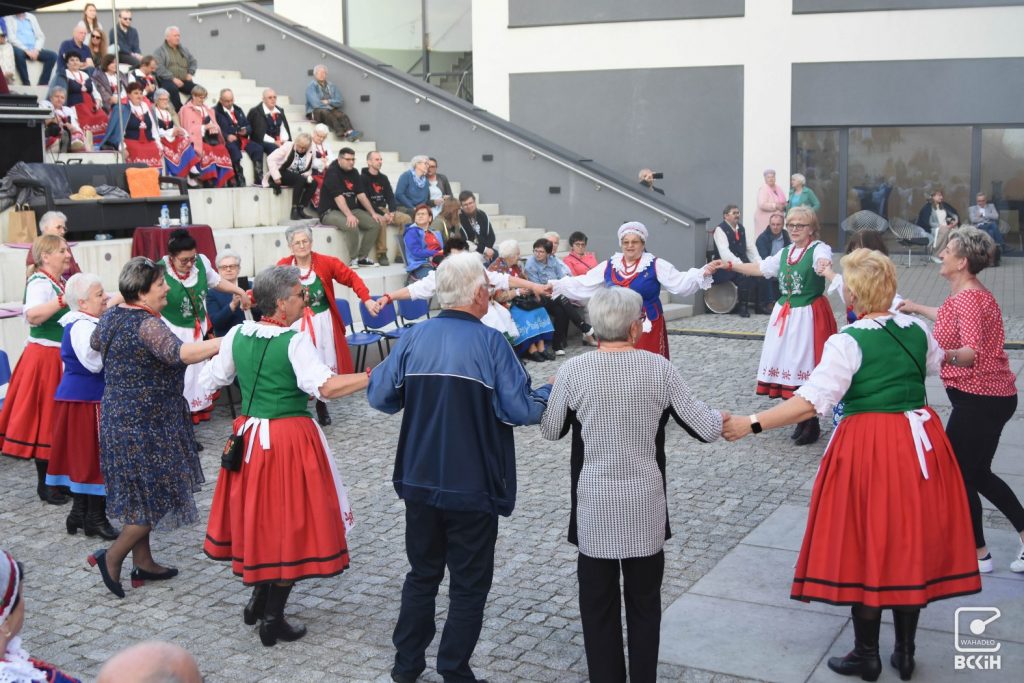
(423, 96)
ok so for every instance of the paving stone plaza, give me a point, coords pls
(736, 510)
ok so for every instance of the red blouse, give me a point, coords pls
(579, 266)
(972, 318)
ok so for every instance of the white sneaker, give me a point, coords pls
(561, 352)
(1018, 564)
(354, 264)
(985, 564)
(936, 259)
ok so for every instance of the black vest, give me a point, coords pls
(737, 245)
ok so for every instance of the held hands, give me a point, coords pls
(711, 267)
(908, 306)
(735, 427)
(244, 301)
(373, 306)
(823, 267)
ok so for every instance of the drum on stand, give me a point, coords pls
(722, 297)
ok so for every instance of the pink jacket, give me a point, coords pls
(192, 120)
(279, 156)
(766, 198)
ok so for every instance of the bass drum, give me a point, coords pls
(722, 297)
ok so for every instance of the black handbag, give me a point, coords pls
(234, 449)
(527, 302)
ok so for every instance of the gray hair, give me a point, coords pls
(57, 88)
(160, 92)
(78, 286)
(507, 248)
(767, 171)
(227, 253)
(417, 159)
(220, 95)
(137, 276)
(552, 234)
(295, 230)
(272, 285)
(51, 217)
(458, 278)
(321, 129)
(169, 29)
(317, 68)
(799, 177)
(303, 136)
(613, 310)
(972, 244)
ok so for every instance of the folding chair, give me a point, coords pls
(909, 235)
(409, 311)
(360, 340)
(377, 324)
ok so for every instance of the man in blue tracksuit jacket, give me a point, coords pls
(462, 390)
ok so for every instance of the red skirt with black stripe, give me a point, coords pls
(279, 518)
(75, 455)
(656, 340)
(26, 421)
(878, 533)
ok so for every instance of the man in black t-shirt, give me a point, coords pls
(347, 208)
(382, 198)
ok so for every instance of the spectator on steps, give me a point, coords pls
(579, 260)
(321, 161)
(175, 66)
(145, 74)
(85, 98)
(142, 136)
(378, 190)
(323, 105)
(238, 137)
(268, 124)
(110, 83)
(215, 168)
(27, 38)
(345, 206)
(78, 45)
(128, 50)
(447, 222)
(412, 189)
(291, 165)
(97, 47)
(477, 226)
(91, 19)
(440, 188)
(175, 144)
(63, 134)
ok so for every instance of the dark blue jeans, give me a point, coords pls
(464, 541)
(46, 57)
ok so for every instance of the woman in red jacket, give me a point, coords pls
(321, 319)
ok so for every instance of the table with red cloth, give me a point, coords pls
(152, 241)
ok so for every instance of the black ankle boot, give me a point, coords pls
(96, 522)
(76, 518)
(798, 432)
(902, 658)
(811, 432)
(257, 604)
(863, 661)
(742, 310)
(274, 626)
(322, 416)
(297, 213)
(47, 494)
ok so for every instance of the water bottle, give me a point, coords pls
(165, 217)
(184, 216)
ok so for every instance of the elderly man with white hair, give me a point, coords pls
(455, 467)
(175, 66)
(151, 661)
(54, 223)
(323, 105)
(268, 123)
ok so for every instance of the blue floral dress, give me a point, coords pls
(147, 450)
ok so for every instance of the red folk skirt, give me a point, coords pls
(878, 533)
(280, 517)
(89, 117)
(75, 454)
(823, 326)
(655, 341)
(144, 152)
(26, 421)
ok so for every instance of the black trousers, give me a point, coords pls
(336, 119)
(974, 428)
(464, 541)
(302, 191)
(744, 284)
(253, 149)
(600, 609)
(174, 91)
(767, 291)
(562, 312)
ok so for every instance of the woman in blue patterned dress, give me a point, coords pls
(147, 452)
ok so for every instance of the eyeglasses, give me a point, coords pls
(797, 226)
(302, 293)
(230, 266)
(187, 261)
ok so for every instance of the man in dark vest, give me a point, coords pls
(732, 247)
(237, 133)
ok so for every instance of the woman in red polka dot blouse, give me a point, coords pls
(976, 372)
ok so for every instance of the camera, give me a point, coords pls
(658, 176)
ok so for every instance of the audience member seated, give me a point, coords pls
(146, 75)
(321, 161)
(63, 134)
(440, 188)
(478, 228)
(85, 98)
(215, 167)
(76, 44)
(542, 267)
(769, 243)
(422, 245)
(344, 205)
(175, 143)
(412, 189)
(531, 319)
(97, 47)
(985, 216)
(291, 165)
(110, 83)
(15, 663)
(27, 39)
(938, 218)
(175, 66)
(323, 105)
(53, 223)
(238, 137)
(447, 222)
(128, 50)
(142, 135)
(732, 247)
(7, 64)
(382, 198)
(91, 19)
(268, 124)
(579, 260)
(151, 661)
(225, 308)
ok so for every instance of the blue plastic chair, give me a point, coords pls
(360, 340)
(409, 311)
(378, 324)
(5, 374)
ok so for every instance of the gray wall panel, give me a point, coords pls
(822, 6)
(524, 13)
(685, 122)
(925, 92)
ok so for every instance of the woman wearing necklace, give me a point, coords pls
(147, 452)
(802, 318)
(175, 143)
(141, 139)
(283, 515)
(26, 421)
(888, 525)
(84, 97)
(189, 276)
(636, 268)
(320, 318)
(215, 166)
(978, 379)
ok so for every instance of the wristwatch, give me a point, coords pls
(755, 425)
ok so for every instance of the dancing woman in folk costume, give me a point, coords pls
(643, 272)
(189, 275)
(888, 525)
(802, 318)
(320, 319)
(282, 516)
(26, 421)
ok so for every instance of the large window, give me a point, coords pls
(817, 158)
(1002, 171)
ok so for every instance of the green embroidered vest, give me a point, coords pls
(888, 381)
(317, 296)
(186, 305)
(798, 283)
(277, 393)
(50, 330)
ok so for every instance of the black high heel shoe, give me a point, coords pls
(99, 559)
(140, 576)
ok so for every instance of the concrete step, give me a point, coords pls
(676, 311)
(218, 73)
(507, 222)
(88, 158)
